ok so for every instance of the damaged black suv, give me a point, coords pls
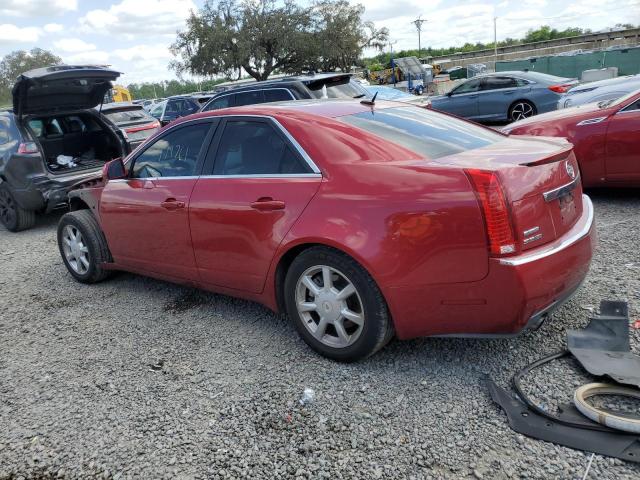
(53, 138)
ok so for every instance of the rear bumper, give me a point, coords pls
(518, 293)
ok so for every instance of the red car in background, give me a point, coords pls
(360, 221)
(605, 136)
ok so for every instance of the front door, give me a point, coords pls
(463, 100)
(145, 216)
(259, 185)
(623, 144)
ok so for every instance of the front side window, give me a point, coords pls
(173, 155)
(430, 134)
(467, 87)
(218, 103)
(255, 148)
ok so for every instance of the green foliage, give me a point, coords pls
(168, 88)
(18, 62)
(261, 37)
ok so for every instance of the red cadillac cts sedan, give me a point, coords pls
(359, 221)
(605, 136)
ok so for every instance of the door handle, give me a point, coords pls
(172, 204)
(267, 204)
(473, 96)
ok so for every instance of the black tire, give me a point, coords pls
(12, 216)
(521, 109)
(377, 329)
(93, 238)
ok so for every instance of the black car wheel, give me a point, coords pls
(83, 247)
(521, 109)
(336, 306)
(12, 216)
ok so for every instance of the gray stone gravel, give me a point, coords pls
(137, 378)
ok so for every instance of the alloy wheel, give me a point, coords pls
(75, 249)
(521, 110)
(329, 306)
(8, 211)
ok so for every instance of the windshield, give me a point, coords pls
(336, 87)
(614, 102)
(430, 134)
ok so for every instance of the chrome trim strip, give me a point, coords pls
(532, 239)
(591, 121)
(567, 242)
(531, 231)
(560, 191)
(194, 177)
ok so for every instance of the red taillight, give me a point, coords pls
(496, 211)
(563, 88)
(28, 147)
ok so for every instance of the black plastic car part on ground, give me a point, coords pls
(53, 138)
(300, 87)
(603, 347)
(570, 427)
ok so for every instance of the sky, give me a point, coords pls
(134, 35)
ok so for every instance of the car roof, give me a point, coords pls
(284, 80)
(321, 107)
(523, 74)
(631, 80)
(119, 105)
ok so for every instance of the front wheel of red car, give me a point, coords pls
(336, 306)
(83, 246)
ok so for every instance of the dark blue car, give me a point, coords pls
(504, 96)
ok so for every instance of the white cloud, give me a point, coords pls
(139, 17)
(535, 3)
(143, 53)
(36, 8)
(53, 27)
(73, 45)
(92, 57)
(10, 33)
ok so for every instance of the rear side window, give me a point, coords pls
(277, 95)
(249, 98)
(429, 134)
(173, 155)
(255, 148)
(494, 83)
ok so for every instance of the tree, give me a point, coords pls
(18, 62)
(260, 37)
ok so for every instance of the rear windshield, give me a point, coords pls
(336, 87)
(126, 116)
(428, 133)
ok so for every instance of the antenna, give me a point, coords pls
(370, 102)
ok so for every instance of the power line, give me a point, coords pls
(418, 23)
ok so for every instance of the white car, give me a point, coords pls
(602, 90)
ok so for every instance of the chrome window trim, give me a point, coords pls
(626, 107)
(560, 191)
(567, 242)
(196, 177)
(293, 141)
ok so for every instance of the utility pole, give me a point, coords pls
(393, 66)
(495, 41)
(418, 23)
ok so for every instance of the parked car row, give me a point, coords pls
(361, 218)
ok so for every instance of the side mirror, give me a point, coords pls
(114, 170)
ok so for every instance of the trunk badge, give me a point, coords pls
(570, 170)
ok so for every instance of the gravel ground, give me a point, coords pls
(137, 378)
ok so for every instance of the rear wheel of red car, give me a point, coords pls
(83, 246)
(521, 109)
(336, 306)
(12, 216)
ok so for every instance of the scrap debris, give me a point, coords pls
(602, 348)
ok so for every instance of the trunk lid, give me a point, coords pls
(61, 88)
(540, 178)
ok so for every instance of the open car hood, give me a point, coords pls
(61, 87)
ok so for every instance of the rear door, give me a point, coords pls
(623, 144)
(258, 183)
(463, 100)
(145, 216)
(496, 95)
